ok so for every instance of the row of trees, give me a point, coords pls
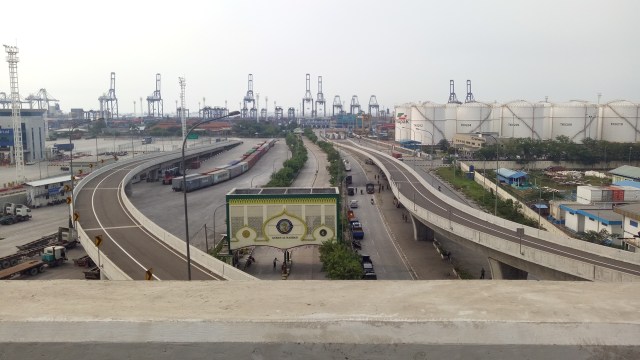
(291, 167)
(561, 149)
(339, 261)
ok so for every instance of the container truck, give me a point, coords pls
(356, 230)
(52, 256)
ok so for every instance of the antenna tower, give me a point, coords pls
(18, 154)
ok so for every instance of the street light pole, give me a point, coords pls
(184, 185)
(71, 209)
(495, 208)
(214, 224)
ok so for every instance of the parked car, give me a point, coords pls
(8, 220)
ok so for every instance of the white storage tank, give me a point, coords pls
(576, 120)
(450, 116)
(620, 122)
(435, 121)
(403, 114)
(474, 117)
(519, 119)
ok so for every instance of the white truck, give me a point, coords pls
(20, 211)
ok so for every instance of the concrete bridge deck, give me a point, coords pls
(319, 320)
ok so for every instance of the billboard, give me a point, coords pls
(6, 137)
(282, 220)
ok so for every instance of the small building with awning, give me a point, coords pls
(512, 177)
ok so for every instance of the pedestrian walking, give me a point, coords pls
(275, 260)
(482, 273)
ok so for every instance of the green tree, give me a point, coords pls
(340, 262)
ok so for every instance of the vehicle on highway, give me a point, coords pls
(353, 204)
(347, 165)
(348, 180)
(371, 188)
(8, 220)
(351, 191)
(169, 174)
(367, 268)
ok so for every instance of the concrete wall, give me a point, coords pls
(489, 185)
(318, 320)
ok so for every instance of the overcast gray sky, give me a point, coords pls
(399, 50)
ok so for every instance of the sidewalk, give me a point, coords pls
(421, 256)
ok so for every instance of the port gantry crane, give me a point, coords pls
(307, 100)
(453, 99)
(320, 102)
(469, 98)
(337, 104)
(154, 101)
(249, 113)
(109, 101)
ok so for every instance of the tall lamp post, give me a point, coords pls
(214, 225)
(430, 133)
(184, 185)
(495, 208)
(74, 127)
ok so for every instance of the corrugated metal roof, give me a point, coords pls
(632, 172)
(508, 173)
(635, 184)
(49, 181)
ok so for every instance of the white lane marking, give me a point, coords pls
(161, 243)
(514, 238)
(93, 194)
(113, 227)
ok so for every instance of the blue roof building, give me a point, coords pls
(511, 177)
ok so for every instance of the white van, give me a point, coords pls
(353, 204)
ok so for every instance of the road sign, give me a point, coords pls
(148, 275)
(97, 240)
(192, 137)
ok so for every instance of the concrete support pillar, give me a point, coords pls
(502, 271)
(421, 232)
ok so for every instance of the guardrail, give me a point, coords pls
(219, 267)
(108, 268)
(559, 263)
